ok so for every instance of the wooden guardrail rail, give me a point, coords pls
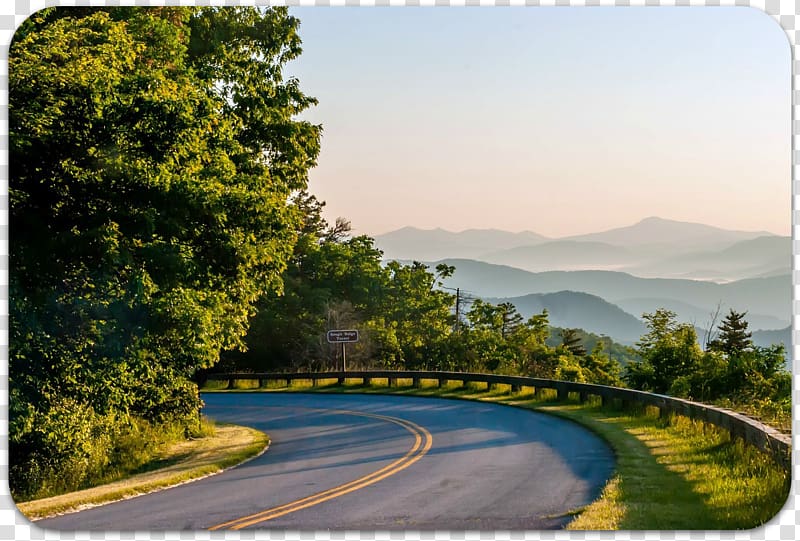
(764, 437)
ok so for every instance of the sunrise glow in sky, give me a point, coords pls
(556, 120)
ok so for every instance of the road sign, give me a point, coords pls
(340, 336)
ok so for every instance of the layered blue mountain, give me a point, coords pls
(655, 232)
(759, 257)
(573, 309)
(603, 282)
(651, 248)
(566, 255)
(769, 297)
(411, 243)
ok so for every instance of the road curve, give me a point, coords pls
(367, 462)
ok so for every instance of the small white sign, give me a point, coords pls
(336, 337)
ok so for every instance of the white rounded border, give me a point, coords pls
(13, 525)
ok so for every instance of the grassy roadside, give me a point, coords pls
(672, 473)
(178, 463)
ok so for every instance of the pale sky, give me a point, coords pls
(555, 120)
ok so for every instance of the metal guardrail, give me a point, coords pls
(764, 437)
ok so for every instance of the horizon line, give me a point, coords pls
(564, 237)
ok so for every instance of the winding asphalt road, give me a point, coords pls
(366, 462)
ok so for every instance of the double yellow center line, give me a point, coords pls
(422, 444)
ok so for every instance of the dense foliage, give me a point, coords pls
(336, 281)
(153, 153)
(731, 370)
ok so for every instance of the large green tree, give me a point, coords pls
(335, 280)
(734, 338)
(669, 351)
(332, 280)
(415, 318)
(571, 341)
(153, 153)
(734, 368)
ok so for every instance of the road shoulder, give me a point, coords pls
(230, 446)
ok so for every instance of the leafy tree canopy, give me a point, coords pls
(153, 153)
(669, 351)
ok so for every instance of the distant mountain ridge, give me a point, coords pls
(422, 244)
(699, 316)
(574, 309)
(778, 336)
(760, 256)
(603, 282)
(570, 255)
(769, 296)
(652, 248)
(655, 230)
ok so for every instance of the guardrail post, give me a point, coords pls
(340, 381)
(737, 431)
(441, 382)
(367, 380)
(392, 382)
(583, 396)
(313, 382)
(491, 386)
(416, 382)
(288, 382)
(515, 388)
(261, 382)
(626, 404)
(231, 383)
(562, 394)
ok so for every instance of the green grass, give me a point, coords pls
(677, 474)
(175, 464)
(671, 473)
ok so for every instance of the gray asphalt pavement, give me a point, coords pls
(488, 467)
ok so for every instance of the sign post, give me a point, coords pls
(343, 337)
